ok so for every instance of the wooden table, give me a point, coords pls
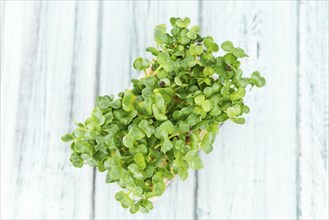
(56, 57)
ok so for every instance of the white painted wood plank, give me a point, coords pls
(52, 54)
(48, 64)
(251, 174)
(10, 62)
(127, 31)
(313, 109)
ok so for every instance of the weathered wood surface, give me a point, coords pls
(57, 56)
(312, 117)
(253, 164)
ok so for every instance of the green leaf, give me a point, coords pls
(194, 141)
(133, 168)
(233, 111)
(83, 133)
(76, 160)
(227, 46)
(194, 160)
(208, 91)
(199, 99)
(152, 50)
(238, 120)
(101, 146)
(141, 64)
(179, 145)
(97, 114)
(158, 177)
(183, 22)
(173, 21)
(137, 133)
(145, 106)
(124, 199)
(166, 82)
(183, 126)
(220, 66)
(147, 204)
(242, 82)
(237, 51)
(207, 105)
(88, 159)
(116, 173)
(183, 38)
(193, 32)
(192, 120)
(128, 140)
(146, 128)
(215, 111)
(83, 147)
(67, 138)
(208, 71)
(124, 117)
(128, 101)
(159, 102)
(167, 126)
(115, 161)
(196, 164)
(103, 102)
(119, 195)
(166, 145)
(230, 58)
(239, 94)
(207, 59)
(134, 134)
(245, 109)
(161, 28)
(159, 188)
(178, 81)
(196, 50)
(108, 118)
(115, 104)
(183, 174)
(257, 79)
(160, 35)
(112, 130)
(207, 142)
(210, 44)
(140, 161)
(134, 208)
(157, 114)
(165, 62)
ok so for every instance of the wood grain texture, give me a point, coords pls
(251, 174)
(57, 56)
(45, 85)
(313, 109)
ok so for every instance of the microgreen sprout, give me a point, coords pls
(154, 131)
